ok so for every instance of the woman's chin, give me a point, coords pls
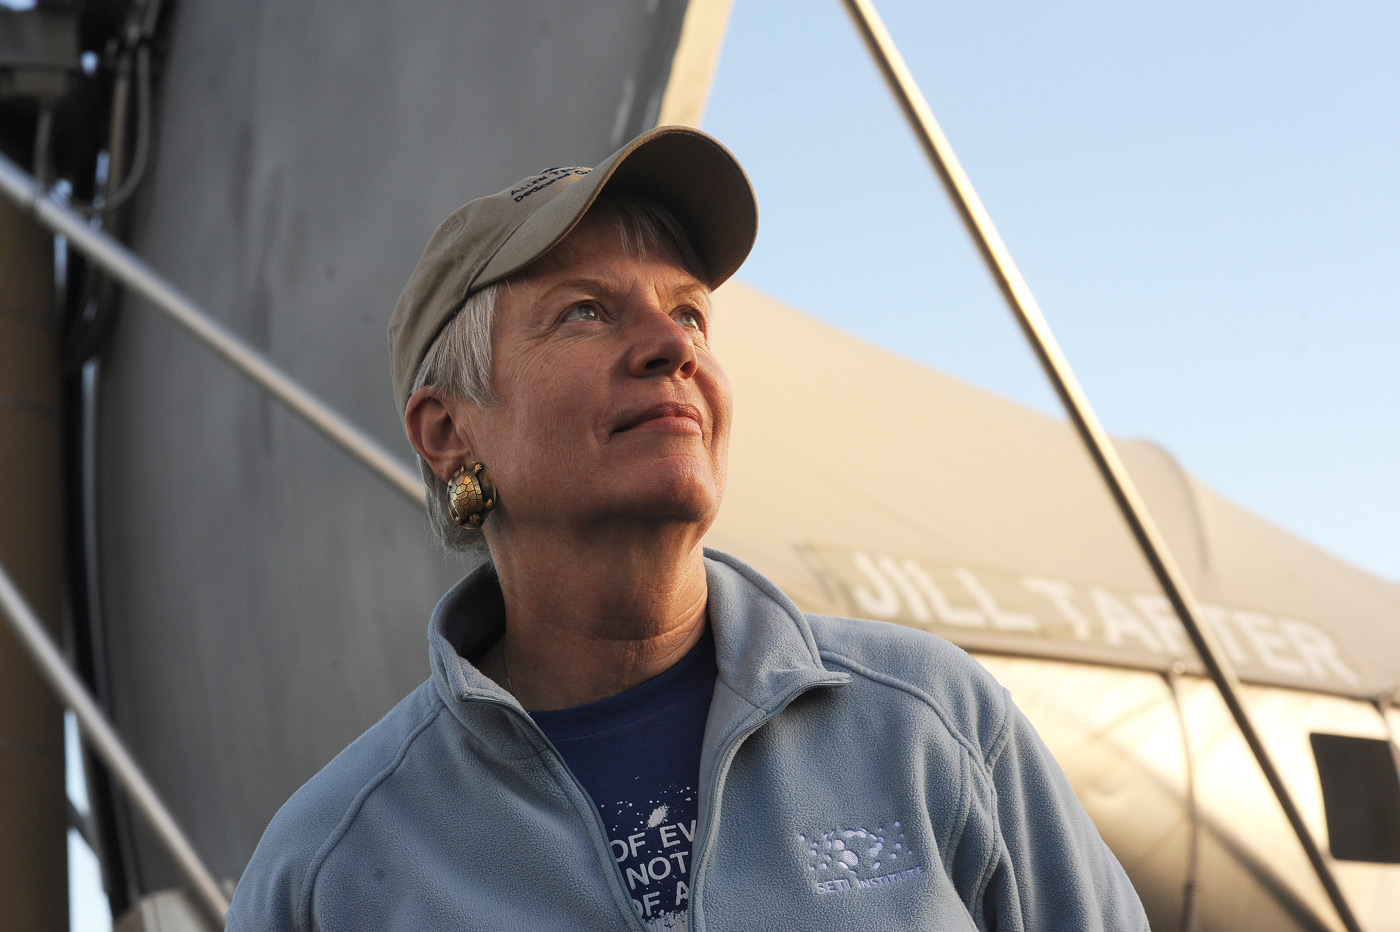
(668, 499)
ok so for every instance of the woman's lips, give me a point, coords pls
(670, 417)
(669, 425)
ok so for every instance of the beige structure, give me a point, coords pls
(949, 508)
(693, 67)
(865, 484)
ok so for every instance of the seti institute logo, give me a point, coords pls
(849, 859)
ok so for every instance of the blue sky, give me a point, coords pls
(1203, 197)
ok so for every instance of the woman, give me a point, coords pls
(622, 730)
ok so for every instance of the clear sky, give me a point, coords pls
(1204, 198)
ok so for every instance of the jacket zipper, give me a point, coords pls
(634, 921)
(697, 858)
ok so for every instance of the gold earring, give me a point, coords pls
(470, 495)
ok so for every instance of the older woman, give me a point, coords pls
(623, 730)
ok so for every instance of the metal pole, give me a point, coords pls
(103, 739)
(1023, 304)
(33, 872)
(18, 186)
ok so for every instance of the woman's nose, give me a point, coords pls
(661, 346)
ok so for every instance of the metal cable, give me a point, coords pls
(126, 187)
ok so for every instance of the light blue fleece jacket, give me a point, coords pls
(855, 775)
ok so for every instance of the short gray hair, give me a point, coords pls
(458, 363)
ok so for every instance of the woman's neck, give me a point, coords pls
(588, 619)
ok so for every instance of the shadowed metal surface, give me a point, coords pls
(265, 597)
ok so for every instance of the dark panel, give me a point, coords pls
(1361, 795)
(267, 600)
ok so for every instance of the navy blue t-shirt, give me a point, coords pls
(638, 756)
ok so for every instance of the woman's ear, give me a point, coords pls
(438, 429)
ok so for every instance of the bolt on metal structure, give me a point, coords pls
(1023, 304)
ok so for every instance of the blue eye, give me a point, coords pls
(583, 312)
(689, 319)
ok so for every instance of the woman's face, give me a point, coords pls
(610, 406)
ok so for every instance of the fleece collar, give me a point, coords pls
(763, 645)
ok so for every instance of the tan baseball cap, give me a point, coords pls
(493, 237)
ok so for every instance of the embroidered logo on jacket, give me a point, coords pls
(848, 859)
